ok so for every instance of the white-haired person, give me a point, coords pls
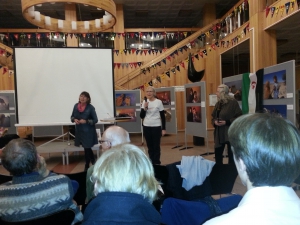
(154, 124)
(125, 188)
(112, 136)
(225, 112)
(266, 150)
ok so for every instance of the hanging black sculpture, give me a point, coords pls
(193, 75)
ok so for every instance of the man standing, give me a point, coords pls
(266, 151)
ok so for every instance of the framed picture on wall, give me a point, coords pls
(4, 120)
(194, 114)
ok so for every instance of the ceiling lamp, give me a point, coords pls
(66, 26)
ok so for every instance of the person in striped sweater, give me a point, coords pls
(33, 192)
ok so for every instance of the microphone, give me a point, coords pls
(145, 99)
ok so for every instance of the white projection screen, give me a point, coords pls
(48, 82)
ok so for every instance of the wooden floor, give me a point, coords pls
(169, 153)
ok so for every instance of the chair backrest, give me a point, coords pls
(222, 178)
(80, 195)
(64, 217)
(5, 178)
(178, 211)
(174, 185)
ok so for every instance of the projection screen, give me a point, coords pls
(48, 82)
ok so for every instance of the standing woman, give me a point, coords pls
(84, 116)
(154, 124)
(226, 110)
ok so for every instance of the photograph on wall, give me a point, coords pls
(235, 89)
(126, 113)
(164, 96)
(280, 110)
(275, 85)
(4, 102)
(193, 114)
(125, 99)
(168, 114)
(4, 120)
(193, 94)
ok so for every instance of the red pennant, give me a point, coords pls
(142, 87)
(4, 70)
(16, 36)
(169, 58)
(38, 36)
(28, 36)
(201, 54)
(145, 52)
(267, 11)
(135, 64)
(131, 65)
(182, 64)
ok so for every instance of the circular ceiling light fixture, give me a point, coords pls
(66, 26)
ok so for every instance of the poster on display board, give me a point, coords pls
(195, 113)
(128, 104)
(7, 111)
(168, 98)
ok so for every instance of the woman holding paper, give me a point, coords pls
(84, 116)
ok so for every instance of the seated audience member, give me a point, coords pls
(125, 187)
(34, 191)
(266, 151)
(112, 136)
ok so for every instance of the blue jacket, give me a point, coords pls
(120, 208)
(85, 134)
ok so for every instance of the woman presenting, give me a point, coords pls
(154, 124)
(226, 110)
(84, 116)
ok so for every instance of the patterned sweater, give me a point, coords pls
(32, 196)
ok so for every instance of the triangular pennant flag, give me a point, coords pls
(4, 70)
(178, 68)
(123, 64)
(117, 52)
(125, 51)
(118, 65)
(173, 70)
(158, 63)
(287, 7)
(139, 63)
(164, 61)
(217, 44)
(205, 52)
(211, 32)
(267, 11)
(207, 34)
(144, 71)
(213, 46)
(115, 65)
(156, 51)
(135, 64)
(169, 58)
(182, 64)
(131, 65)
(201, 54)
(163, 76)
(185, 34)
(145, 52)
(272, 11)
(292, 5)
(131, 35)
(197, 56)
(172, 35)
(158, 79)
(168, 73)
(150, 83)
(127, 65)
(137, 52)
(180, 49)
(142, 87)
(148, 68)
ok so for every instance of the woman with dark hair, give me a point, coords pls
(84, 116)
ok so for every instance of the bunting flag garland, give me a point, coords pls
(173, 70)
(168, 73)
(125, 51)
(178, 68)
(164, 61)
(139, 64)
(201, 54)
(131, 65)
(150, 83)
(197, 56)
(117, 52)
(205, 52)
(144, 71)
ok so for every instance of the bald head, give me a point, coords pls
(115, 135)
